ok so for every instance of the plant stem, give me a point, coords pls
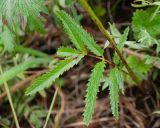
(109, 37)
(102, 59)
(51, 107)
(10, 99)
(109, 62)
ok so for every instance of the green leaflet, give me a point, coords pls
(93, 88)
(78, 35)
(67, 52)
(145, 27)
(71, 29)
(114, 31)
(46, 79)
(120, 79)
(7, 39)
(122, 40)
(28, 9)
(20, 68)
(113, 92)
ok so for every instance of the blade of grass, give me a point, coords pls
(11, 73)
(50, 108)
(19, 48)
(10, 100)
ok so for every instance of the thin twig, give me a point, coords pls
(109, 62)
(10, 99)
(59, 114)
(108, 36)
(102, 59)
(103, 119)
(50, 109)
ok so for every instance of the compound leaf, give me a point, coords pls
(145, 27)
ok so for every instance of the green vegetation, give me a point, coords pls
(20, 18)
